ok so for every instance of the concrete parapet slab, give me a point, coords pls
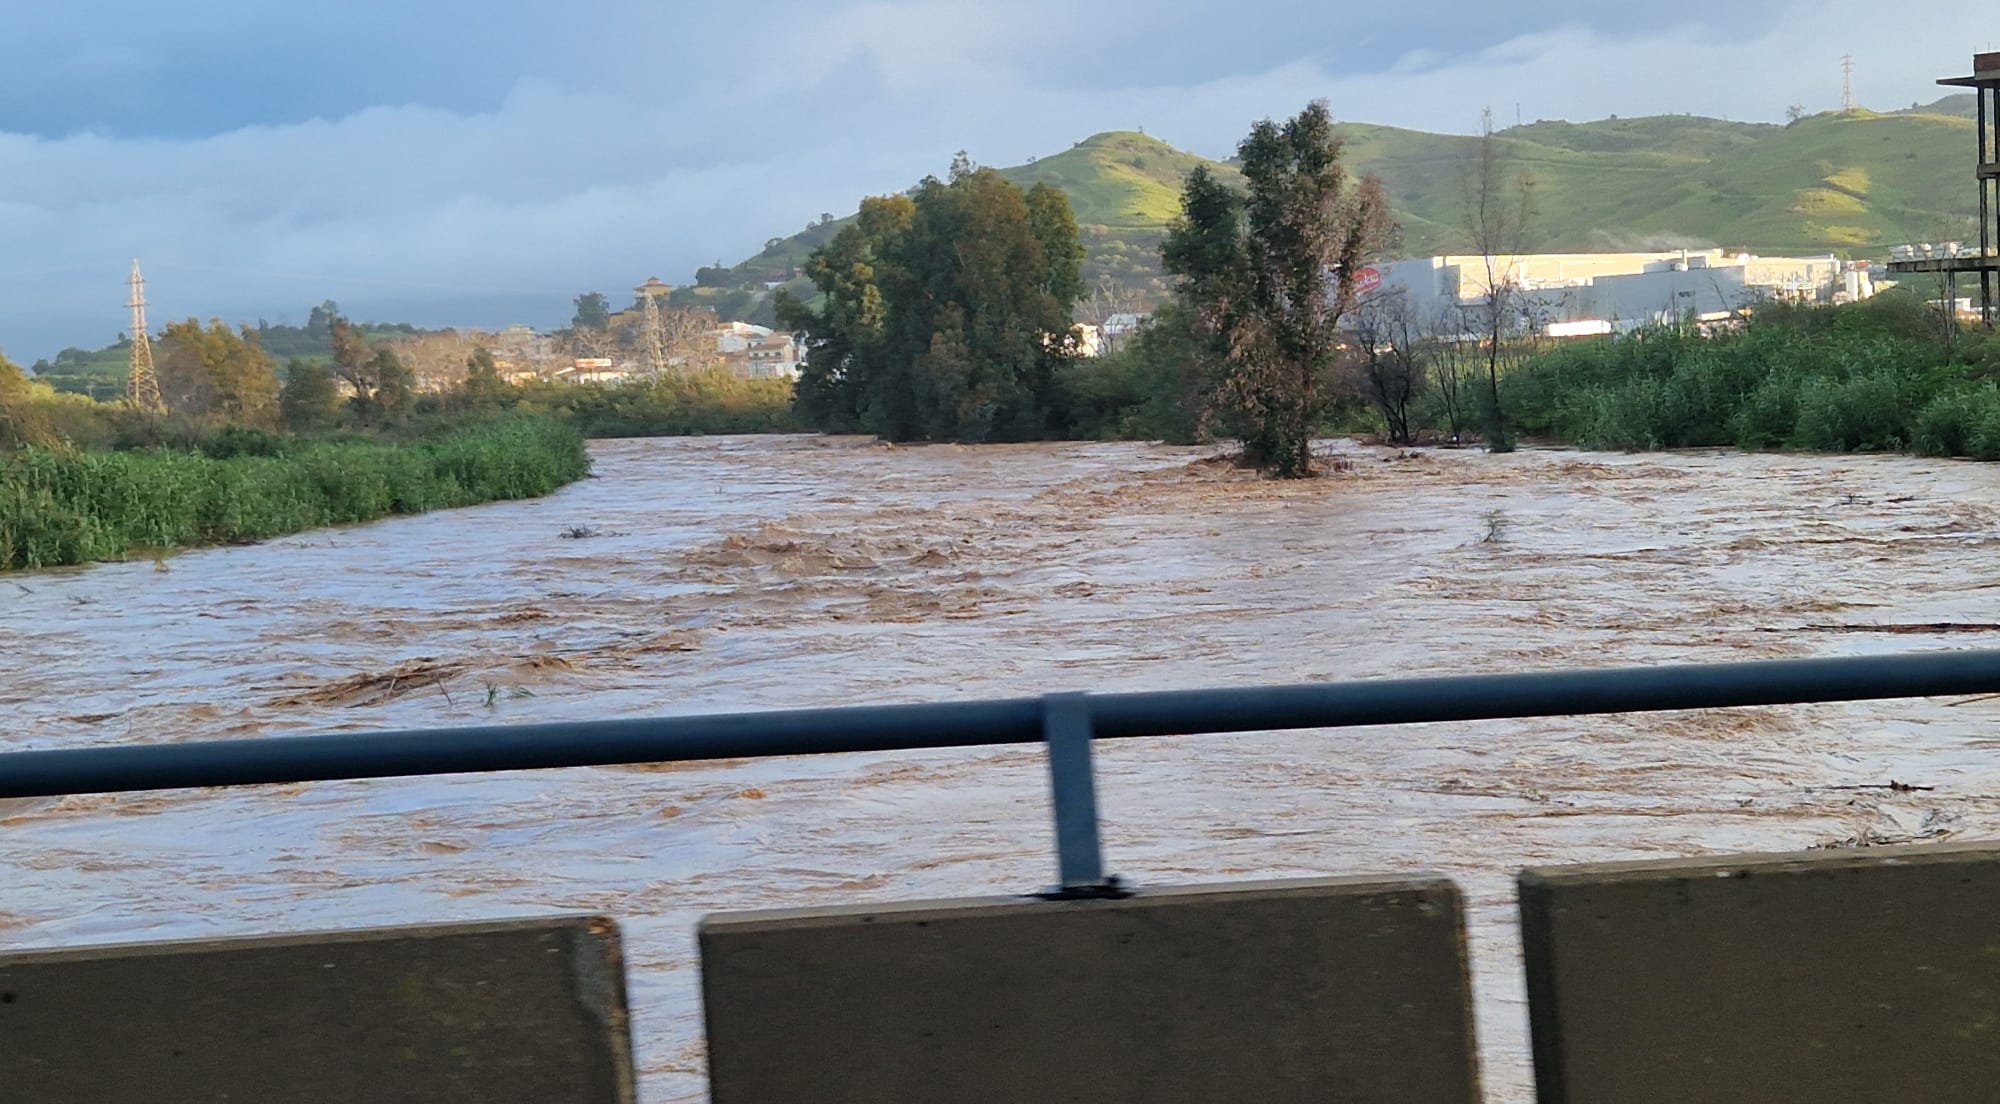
(1347, 989)
(530, 1010)
(1775, 979)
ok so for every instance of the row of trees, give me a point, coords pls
(948, 313)
(215, 374)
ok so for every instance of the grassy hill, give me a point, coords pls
(1124, 187)
(1961, 104)
(1857, 182)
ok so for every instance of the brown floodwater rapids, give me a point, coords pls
(753, 573)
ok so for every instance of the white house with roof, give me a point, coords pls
(765, 356)
(594, 370)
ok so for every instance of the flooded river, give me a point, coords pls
(753, 573)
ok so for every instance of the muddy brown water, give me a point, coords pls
(732, 574)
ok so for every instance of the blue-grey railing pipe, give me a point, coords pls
(972, 724)
(1073, 792)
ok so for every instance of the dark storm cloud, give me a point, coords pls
(455, 163)
(132, 69)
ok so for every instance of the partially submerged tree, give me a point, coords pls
(1497, 211)
(945, 314)
(1391, 369)
(1455, 368)
(1261, 276)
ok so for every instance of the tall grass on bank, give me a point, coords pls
(63, 506)
(1875, 377)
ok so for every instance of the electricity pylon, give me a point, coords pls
(142, 386)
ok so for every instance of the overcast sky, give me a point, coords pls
(449, 163)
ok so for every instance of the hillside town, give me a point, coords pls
(646, 340)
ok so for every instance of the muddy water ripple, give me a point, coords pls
(777, 572)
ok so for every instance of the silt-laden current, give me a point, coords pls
(752, 573)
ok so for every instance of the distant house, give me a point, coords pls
(1122, 325)
(594, 370)
(766, 356)
(520, 349)
(1113, 331)
(735, 337)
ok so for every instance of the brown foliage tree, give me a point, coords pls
(218, 372)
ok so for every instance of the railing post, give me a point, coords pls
(1067, 729)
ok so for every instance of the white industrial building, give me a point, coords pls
(1573, 293)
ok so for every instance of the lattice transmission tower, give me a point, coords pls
(1847, 83)
(142, 386)
(653, 326)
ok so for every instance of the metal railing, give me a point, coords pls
(1066, 723)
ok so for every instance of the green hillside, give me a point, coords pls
(1124, 187)
(1856, 182)
(1961, 104)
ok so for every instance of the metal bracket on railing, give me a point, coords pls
(1066, 727)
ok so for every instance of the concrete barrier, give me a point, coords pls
(1344, 989)
(1779, 979)
(529, 1010)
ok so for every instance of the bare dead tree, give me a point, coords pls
(1498, 209)
(438, 360)
(1391, 369)
(1109, 298)
(1454, 364)
(591, 343)
(686, 331)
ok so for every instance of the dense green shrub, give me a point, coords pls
(1875, 376)
(64, 506)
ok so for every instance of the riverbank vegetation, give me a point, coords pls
(947, 314)
(237, 456)
(1879, 376)
(63, 505)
